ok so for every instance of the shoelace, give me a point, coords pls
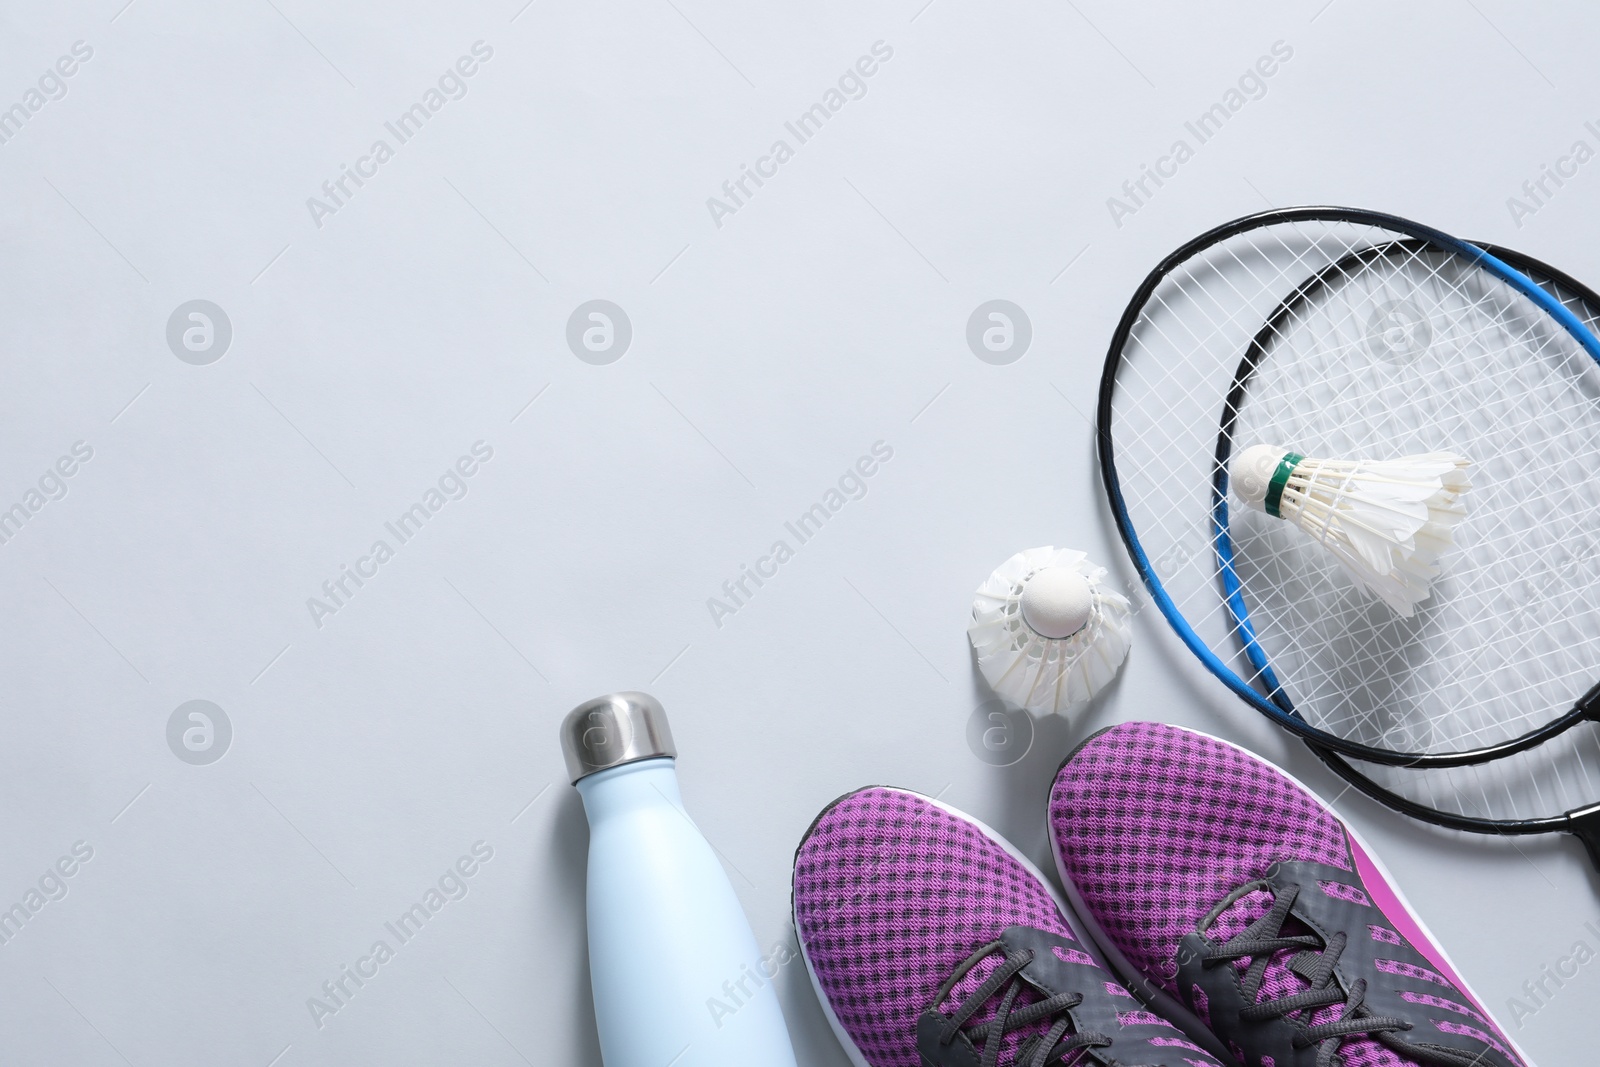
(1050, 1047)
(1315, 963)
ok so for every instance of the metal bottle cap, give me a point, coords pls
(612, 730)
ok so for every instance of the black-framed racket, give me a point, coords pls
(1346, 333)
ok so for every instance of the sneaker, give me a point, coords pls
(931, 942)
(1238, 903)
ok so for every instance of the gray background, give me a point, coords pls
(430, 311)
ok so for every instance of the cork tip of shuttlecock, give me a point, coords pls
(1057, 602)
(1250, 473)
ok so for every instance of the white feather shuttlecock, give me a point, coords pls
(1387, 521)
(1047, 630)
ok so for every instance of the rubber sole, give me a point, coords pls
(1168, 1006)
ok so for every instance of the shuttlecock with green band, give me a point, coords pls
(1387, 521)
(1048, 631)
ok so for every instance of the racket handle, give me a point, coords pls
(1584, 824)
(1589, 703)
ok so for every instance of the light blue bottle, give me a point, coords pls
(678, 978)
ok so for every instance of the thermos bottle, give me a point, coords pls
(678, 979)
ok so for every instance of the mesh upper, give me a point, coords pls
(1154, 826)
(891, 893)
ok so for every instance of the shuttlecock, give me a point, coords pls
(1048, 632)
(1387, 521)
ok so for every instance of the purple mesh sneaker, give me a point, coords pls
(1240, 907)
(933, 943)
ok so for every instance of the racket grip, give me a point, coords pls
(1589, 703)
(1584, 824)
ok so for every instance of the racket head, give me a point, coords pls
(1553, 787)
(1381, 338)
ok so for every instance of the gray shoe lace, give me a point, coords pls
(1315, 963)
(1050, 1047)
